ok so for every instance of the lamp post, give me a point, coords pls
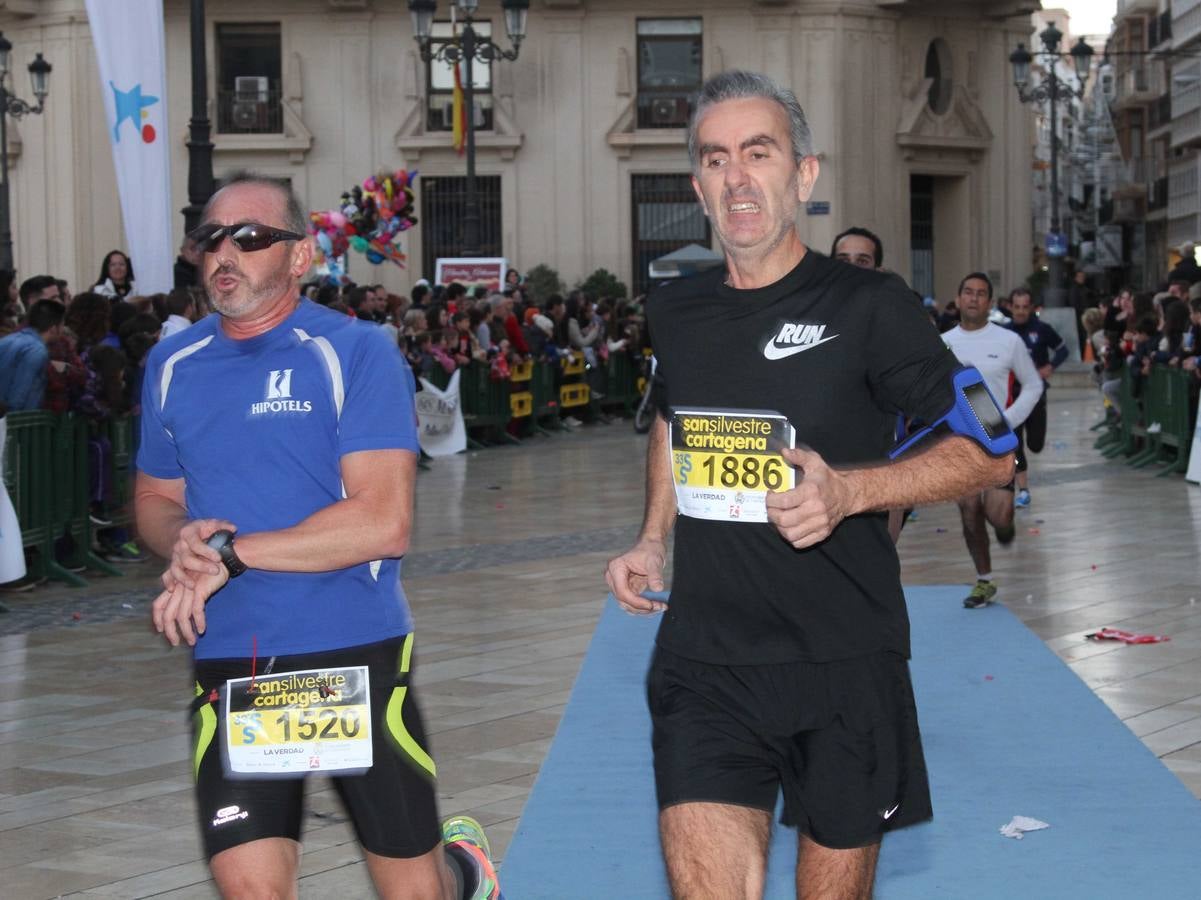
(200, 146)
(468, 46)
(1052, 91)
(11, 105)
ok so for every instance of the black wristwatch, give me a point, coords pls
(223, 542)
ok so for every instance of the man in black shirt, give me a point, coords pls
(781, 660)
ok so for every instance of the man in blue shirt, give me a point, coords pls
(24, 358)
(293, 427)
(1048, 351)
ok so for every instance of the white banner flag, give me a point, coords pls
(440, 419)
(128, 35)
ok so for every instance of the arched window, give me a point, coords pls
(938, 69)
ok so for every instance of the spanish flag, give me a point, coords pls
(459, 126)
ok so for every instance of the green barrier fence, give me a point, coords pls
(485, 403)
(47, 475)
(1152, 427)
(621, 383)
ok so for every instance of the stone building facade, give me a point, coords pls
(581, 147)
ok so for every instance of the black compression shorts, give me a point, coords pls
(840, 738)
(392, 805)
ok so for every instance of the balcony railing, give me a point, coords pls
(1140, 84)
(259, 112)
(1157, 194)
(1161, 113)
(1186, 23)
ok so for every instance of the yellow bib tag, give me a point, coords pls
(316, 720)
(724, 462)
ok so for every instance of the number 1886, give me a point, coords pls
(750, 472)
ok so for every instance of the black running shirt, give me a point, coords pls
(741, 595)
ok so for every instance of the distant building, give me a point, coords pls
(581, 150)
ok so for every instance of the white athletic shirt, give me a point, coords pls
(997, 352)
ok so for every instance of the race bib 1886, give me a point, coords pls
(724, 461)
(299, 722)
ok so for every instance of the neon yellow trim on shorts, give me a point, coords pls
(394, 715)
(205, 720)
(406, 654)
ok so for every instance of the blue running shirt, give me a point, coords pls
(257, 428)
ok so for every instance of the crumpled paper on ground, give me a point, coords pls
(1128, 637)
(1019, 824)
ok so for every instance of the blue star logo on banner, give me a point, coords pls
(132, 105)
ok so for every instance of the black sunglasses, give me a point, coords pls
(247, 236)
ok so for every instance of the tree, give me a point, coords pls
(603, 283)
(542, 281)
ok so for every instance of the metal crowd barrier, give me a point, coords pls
(1153, 426)
(46, 473)
(537, 394)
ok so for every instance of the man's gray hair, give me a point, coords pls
(295, 218)
(738, 84)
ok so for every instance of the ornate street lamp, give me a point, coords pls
(468, 46)
(12, 105)
(1051, 91)
(200, 145)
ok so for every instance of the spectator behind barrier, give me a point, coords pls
(24, 357)
(116, 277)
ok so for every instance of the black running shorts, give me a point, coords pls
(840, 739)
(392, 805)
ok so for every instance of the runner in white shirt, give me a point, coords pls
(999, 354)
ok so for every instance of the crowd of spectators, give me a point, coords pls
(85, 353)
(1135, 332)
(447, 327)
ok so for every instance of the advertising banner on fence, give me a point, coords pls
(441, 431)
(128, 35)
(471, 272)
(1194, 461)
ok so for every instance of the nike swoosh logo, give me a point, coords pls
(774, 351)
(887, 814)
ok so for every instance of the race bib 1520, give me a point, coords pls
(299, 722)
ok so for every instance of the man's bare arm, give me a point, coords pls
(374, 521)
(164, 526)
(641, 567)
(660, 513)
(951, 468)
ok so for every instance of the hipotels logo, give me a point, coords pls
(279, 396)
(794, 338)
(228, 814)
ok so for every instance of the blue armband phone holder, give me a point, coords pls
(975, 414)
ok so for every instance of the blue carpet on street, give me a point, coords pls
(1008, 730)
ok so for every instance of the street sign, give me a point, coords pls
(818, 208)
(1109, 246)
(1057, 243)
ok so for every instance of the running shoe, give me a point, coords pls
(1022, 500)
(468, 835)
(125, 553)
(981, 595)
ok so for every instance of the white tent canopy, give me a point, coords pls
(688, 260)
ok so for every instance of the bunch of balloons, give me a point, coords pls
(369, 220)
